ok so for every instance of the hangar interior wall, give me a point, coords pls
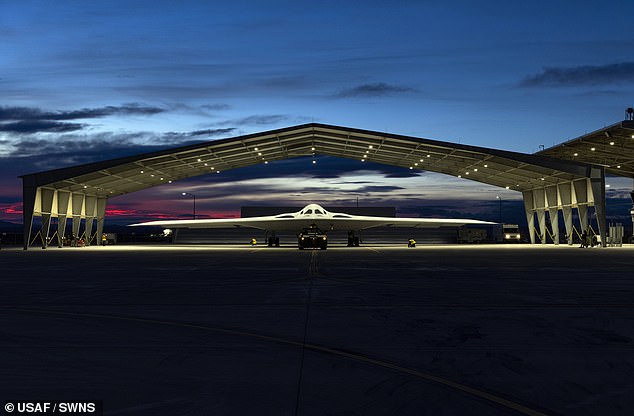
(51, 203)
(564, 197)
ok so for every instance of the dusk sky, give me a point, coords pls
(84, 81)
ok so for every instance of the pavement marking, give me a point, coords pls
(320, 348)
(372, 249)
(313, 268)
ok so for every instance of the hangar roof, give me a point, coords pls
(114, 177)
(611, 147)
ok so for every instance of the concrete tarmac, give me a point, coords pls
(375, 330)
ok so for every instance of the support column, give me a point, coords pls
(530, 216)
(78, 205)
(583, 217)
(553, 211)
(553, 214)
(539, 198)
(47, 196)
(565, 194)
(63, 202)
(91, 206)
(597, 184)
(541, 217)
(28, 206)
(581, 192)
(101, 215)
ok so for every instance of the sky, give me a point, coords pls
(85, 81)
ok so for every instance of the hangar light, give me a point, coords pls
(575, 154)
(593, 149)
(611, 143)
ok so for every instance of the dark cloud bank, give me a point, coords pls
(378, 89)
(23, 120)
(582, 75)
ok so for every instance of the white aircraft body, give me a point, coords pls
(314, 215)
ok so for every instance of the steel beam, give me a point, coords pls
(46, 197)
(529, 206)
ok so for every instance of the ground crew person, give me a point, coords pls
(254, 242)
(103, 239)
(411, 243)
(584, 240)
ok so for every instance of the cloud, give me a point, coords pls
(29, 113)
(582, 75)
(400, 173)
(211, 132)
(34, 126)
(215, 107)
(380, 188)
(84, 148)
(25, 120)
(379, 89)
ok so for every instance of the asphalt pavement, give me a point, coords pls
(375, 330)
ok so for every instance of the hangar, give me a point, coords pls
(550, 181)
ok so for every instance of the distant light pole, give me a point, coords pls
(193, 196)
(499, 198)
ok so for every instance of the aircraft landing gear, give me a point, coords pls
(353, 241)
(273, 241)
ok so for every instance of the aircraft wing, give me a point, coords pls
(339, 222)
(261, 223)
(365, 222)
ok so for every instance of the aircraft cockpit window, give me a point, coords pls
(309, 211)
(318, 212)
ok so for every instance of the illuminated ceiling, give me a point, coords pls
(516, 171)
